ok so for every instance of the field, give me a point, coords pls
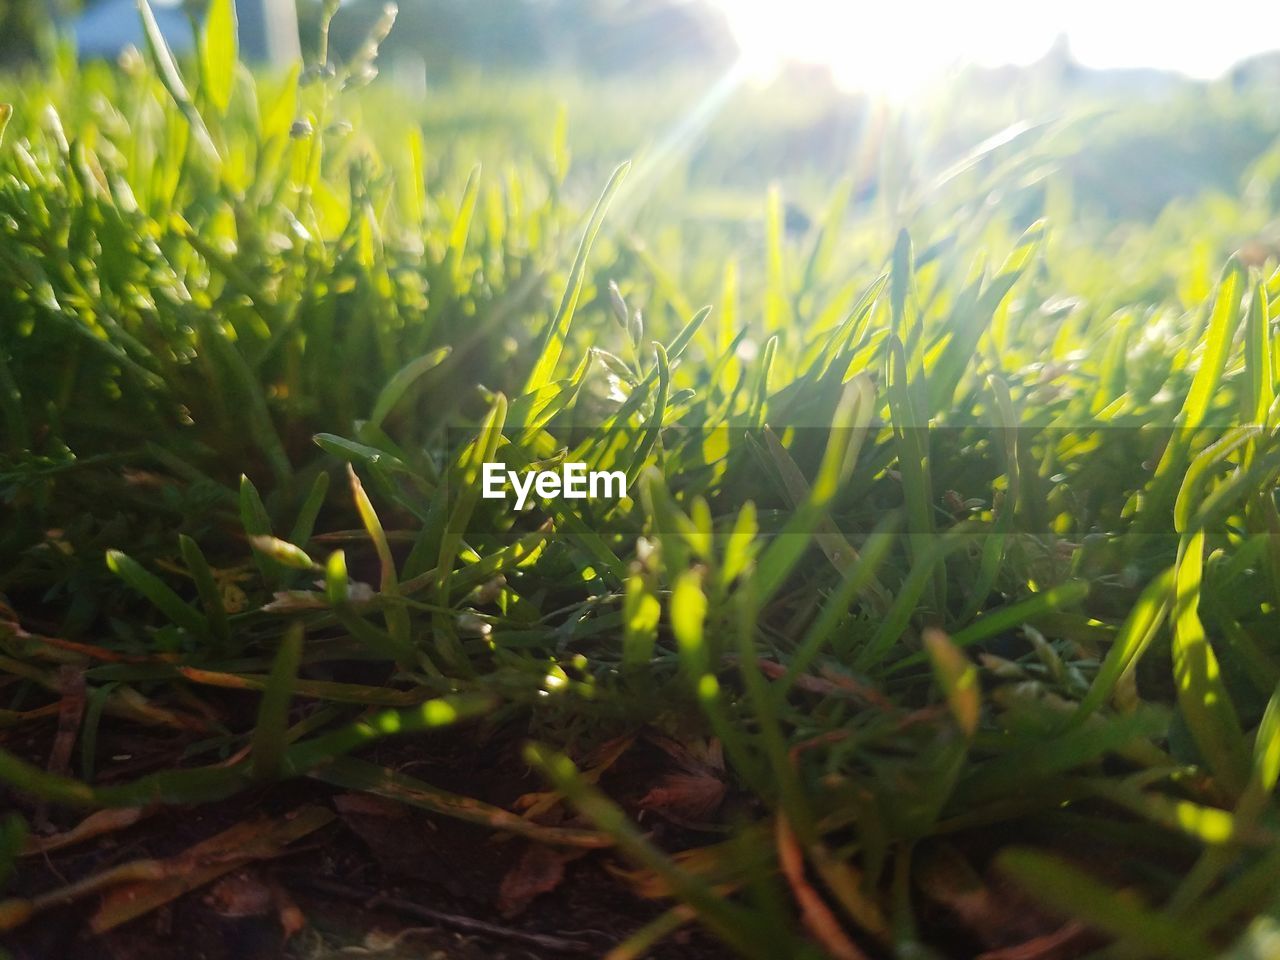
(941, 617)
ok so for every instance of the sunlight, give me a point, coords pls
(896, 50)
(871, 47)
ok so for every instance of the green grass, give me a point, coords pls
(953, 520)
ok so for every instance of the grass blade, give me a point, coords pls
(269, 735)
(162, 57)
(158, 592)
(1070, 890)
(219, 53)
(553, 338)
(1202, 695)
(207, 589)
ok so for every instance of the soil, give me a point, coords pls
(360, 882)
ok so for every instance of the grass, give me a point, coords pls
(951, 523)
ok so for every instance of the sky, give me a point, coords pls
(897, 45)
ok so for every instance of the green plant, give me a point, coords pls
(972, 583)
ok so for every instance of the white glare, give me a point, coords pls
(897, 48)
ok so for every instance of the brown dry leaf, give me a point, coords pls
(366, 804)
(205, 862)
(695, 756)
(12, 718)
(537, 805)
(240, 894)
(539, 870)
(845, 884)
(697, 789)
(94, 825)
(640, 943)
(857, 689)
(999, 918)
(292, 601)
(383, 782)
(43, 647)
(289, 913)
(16, 911)
(1070, 940)
(246, 893)
(408, 842)
(128, 704)
(337, 690)
(143, 478)
(685, 796)
(70, 712)
(958, 678)
(713, 864)
(814, 912)
(399, 837)
(139, 886)
(832, 683)
(946, 878)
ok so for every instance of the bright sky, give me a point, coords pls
(892, 46)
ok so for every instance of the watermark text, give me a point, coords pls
(573, 481)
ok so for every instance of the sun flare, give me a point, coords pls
(897, 50)
(883, 49)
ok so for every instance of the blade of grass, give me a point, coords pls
(1070, 890)
(737, 927)
(1202, 694)
(397, 617)
(219, 53)
(207, 589)
(167, 70)
(553, 338)
(1135, 636)
(269, 733)
(158, 592)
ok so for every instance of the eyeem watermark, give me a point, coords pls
(572, 482)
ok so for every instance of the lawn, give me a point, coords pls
(940, 616)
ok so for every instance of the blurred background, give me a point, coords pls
(729, 95)
(1137, 116)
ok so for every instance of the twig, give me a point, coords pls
(372, 899)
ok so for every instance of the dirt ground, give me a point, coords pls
(381, 880)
